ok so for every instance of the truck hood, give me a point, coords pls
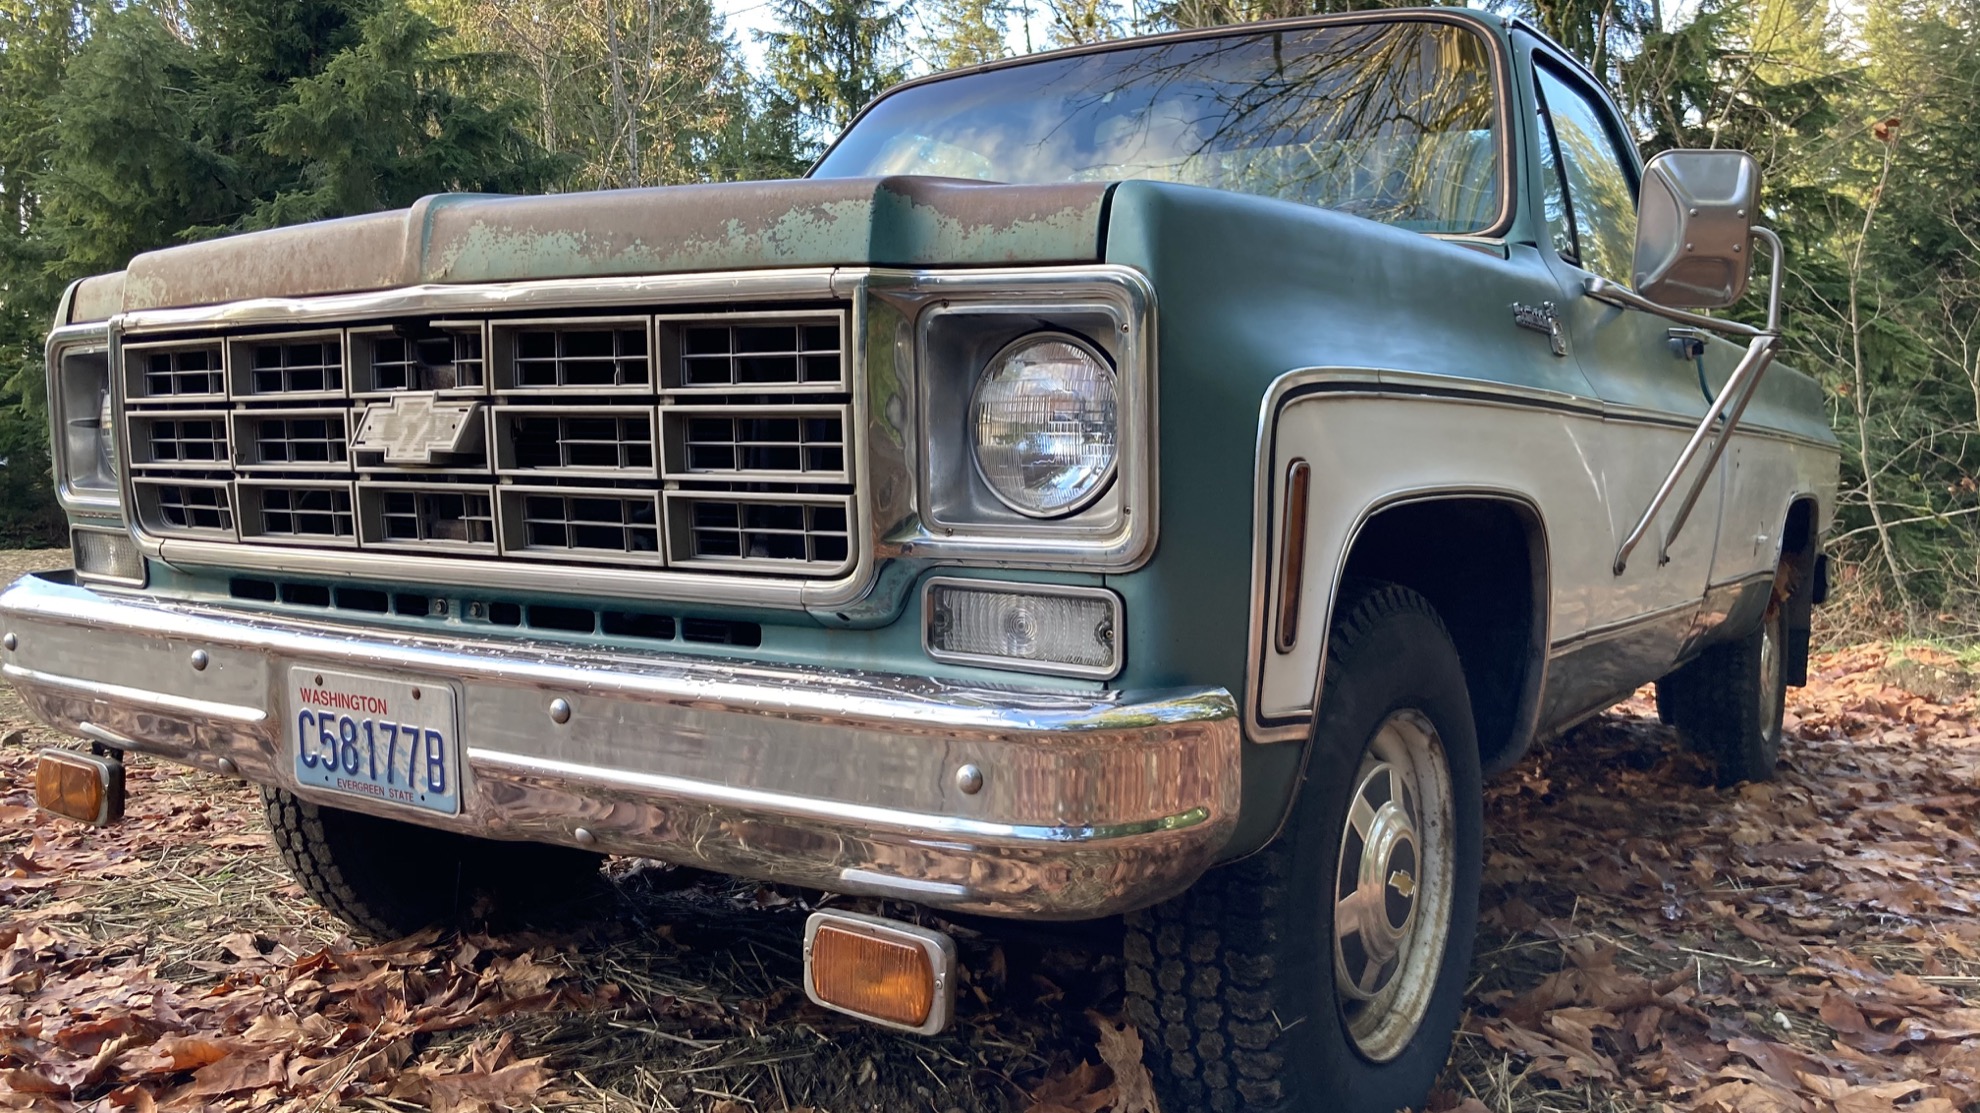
(463, 238)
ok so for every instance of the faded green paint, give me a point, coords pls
(467, 238)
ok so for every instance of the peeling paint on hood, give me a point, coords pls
(467, 238)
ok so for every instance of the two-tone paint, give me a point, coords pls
(1410, 374)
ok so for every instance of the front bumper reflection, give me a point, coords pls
(1088, 804)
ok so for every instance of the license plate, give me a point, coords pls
(375, 736)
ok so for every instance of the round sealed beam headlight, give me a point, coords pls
(1044, 424)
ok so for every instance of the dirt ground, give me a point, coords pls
(1804, 946)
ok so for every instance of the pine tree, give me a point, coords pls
(761, 139)
(964, 32)
(388, 119)
(1078, 22)
(833, 56)
(1218, 13)
(37, 41)
(265, 114)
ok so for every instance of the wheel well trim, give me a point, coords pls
(1381, 383)
(1526, 719)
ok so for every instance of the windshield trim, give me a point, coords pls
(1477, 23)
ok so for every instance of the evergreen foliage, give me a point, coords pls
(833, 56)
(963, 32)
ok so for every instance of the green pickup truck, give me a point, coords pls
(1158, 479)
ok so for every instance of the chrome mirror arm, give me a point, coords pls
(1731, 401)
(1622, 297)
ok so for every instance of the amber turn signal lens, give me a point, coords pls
(79, 786)
(880, 979)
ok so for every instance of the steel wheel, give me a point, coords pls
(1393, 887)
(1772, 690)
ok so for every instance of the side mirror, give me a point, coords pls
(1694, 221)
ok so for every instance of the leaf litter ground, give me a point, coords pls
(1648, 941)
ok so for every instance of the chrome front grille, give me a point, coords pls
(761, 531)
(586, 356)
(612, 442)
(714, 443)
(297, 513)
(757, 355)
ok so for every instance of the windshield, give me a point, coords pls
(1388, 119)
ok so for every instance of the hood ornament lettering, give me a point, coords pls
(1544, 320)
(416, 429)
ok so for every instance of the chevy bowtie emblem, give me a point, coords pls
(416, 428)
(1403, 884)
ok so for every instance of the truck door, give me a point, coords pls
(1650, 391)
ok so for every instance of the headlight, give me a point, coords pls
(1044, 424)
(84, 433)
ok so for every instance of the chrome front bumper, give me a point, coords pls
(1088, 804)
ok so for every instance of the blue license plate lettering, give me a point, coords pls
(379, 737)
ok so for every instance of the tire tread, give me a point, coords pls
(1217, 1021)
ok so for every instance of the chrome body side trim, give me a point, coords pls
(1621, 412)
(1368, 382)
(1089, 803)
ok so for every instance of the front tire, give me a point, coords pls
(1727, 703)
(1327, 971)
(389, 879)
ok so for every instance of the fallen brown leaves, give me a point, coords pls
(1807, 946)
(277, 1026)
(1803, 946)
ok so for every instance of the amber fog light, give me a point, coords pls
(79, 786)
(107, 555)
(1064, 631)
(890, 973)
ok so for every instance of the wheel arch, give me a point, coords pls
(1480, 557)
(1516, 556)
(1799, 576)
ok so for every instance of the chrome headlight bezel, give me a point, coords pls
(80, 362)
(958, 322)
(1097, 485)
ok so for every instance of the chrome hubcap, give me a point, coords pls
(1770, 673)
(1393, 888)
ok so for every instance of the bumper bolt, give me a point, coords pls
(226, 765)
(10, 641)
(970, 779)
(199, 660)
(584, 836)
(560, 711)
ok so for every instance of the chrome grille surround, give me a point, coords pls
(889, 461)
(566, 457)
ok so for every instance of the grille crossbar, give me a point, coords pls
(717, 443)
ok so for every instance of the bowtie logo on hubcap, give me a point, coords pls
(1403, 884)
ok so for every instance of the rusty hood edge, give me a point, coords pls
(473, 238)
